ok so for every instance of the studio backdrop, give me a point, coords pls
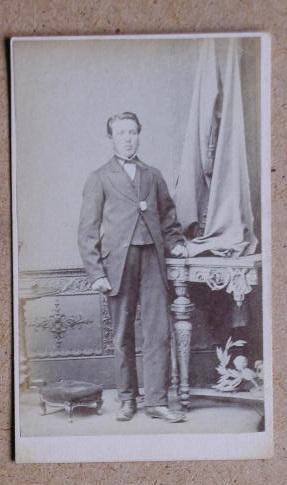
(64, 93)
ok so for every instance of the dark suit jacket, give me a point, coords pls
(109, 214)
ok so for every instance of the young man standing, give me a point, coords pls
(127, 225)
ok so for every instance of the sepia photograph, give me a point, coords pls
(141, 247)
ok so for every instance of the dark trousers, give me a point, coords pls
(142, 281)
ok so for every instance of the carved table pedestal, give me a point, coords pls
(236, 276)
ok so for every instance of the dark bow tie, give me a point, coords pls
(127, 160)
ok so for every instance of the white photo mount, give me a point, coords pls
(43, 156)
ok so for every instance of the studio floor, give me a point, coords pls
(207, 414)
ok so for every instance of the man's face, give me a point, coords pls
(125, 137)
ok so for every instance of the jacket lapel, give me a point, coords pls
(122, 183)
(146, 180)
(120, 180)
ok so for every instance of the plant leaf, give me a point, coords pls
(234, 373)
(221, 370)
(239, 343)
(228, 343)
(219, 353)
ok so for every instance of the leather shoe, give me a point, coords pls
(163, 412)
(127, 410)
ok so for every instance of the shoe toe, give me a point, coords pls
(127, 411)
(165, 413)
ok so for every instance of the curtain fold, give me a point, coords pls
(192, 188)
(216, 187)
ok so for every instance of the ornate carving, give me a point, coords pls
(252, 277)
(174, 366)
(183, 334)
(182, 305)
(236, 276)
(183, 331)
(24, 363)
(62, 353)
(238, 284)
(199, 276)
(108, 346)
(71, 281)
(58, 323)
(64, 285)
(215, 271)
(217, 278)
(231, 377)
(182, 309)
(176, 270)
(77, 285)
(236, 280)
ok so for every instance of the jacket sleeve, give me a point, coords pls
(170, 227)
(89, 227)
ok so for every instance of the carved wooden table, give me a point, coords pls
(235, 276)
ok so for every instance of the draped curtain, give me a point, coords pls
(212, 193)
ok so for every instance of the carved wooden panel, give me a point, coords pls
(65, 326)
(68, 329)
(69, 334)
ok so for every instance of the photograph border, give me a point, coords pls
(174, 446)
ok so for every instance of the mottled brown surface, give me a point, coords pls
(43, 17)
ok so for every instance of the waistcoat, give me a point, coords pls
(141, 235)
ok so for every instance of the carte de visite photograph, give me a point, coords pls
(141, 247)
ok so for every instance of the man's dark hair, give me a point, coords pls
(127, 115)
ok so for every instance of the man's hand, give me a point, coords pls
(179, 251)
(102, 285)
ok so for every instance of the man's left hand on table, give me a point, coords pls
(179, 251)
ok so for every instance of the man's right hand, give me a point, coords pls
(102, 285)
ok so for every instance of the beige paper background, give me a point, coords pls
(57, 17)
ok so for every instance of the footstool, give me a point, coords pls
(71, 394)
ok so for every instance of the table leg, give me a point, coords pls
(182, 309)
(174, 366)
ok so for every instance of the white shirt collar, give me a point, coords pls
(122, 160)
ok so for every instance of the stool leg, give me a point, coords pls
(69, 409)
(99, 406)
(43, 407)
